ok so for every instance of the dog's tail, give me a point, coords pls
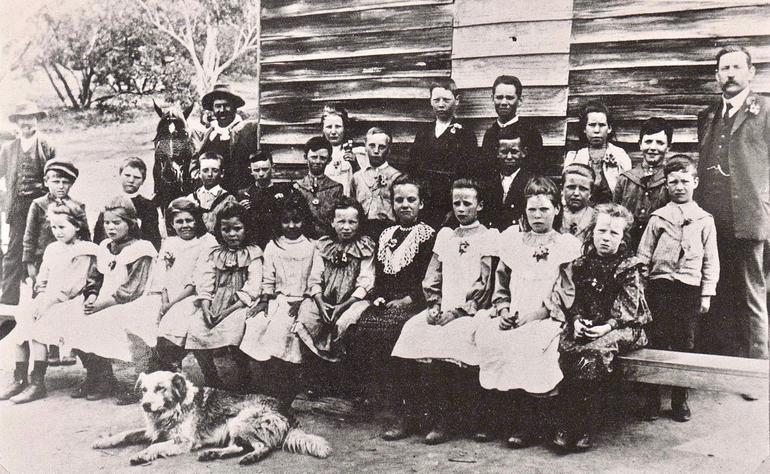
(297, 441)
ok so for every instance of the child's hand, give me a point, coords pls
(246, 203)
(508, 320)
(88, 304)
(399, 303)
(445, 318)
(705, 304)
(32, 272)
(433, 314)
(500, 313)
(596, 332)
(580, 328)
(208, 317)
(261, 307)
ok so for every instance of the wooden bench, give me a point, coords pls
(699, 371)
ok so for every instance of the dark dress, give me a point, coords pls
(440, 160)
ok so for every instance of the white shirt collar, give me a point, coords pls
(27, 142)
(440, 128)
(379, 168)
(472, 225)
(508, 123)
(736, 102)
(510, 178)
(215, 191)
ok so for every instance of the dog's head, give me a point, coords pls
(163, 391)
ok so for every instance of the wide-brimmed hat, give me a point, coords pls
(221, 91)
(26, 109)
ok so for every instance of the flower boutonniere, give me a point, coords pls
(340, 258)
(610, 161)
(278, 196)
(464, 246)
(596, 284)
(687, 221)
(112, 264)
(168, 259)
(753, 106)
(392, 244)
(541, 253)
(455, 127)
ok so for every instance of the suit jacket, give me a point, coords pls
(9, 157)
(501, 214)
(148, 221)
(530, 137)
(749, 157)
(235, 167)
(262, 217)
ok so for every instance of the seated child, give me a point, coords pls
(371, 186)
(261, 199)
(577, 188)
(341, 278)
(679, 248)
(133, 172)
(600, 297)
(442, 335)
(320, 191)
(227, 284)
(518, 343)
(606, 160)
(642, 189)
(506, 192)
(211, 197)
(67, 268)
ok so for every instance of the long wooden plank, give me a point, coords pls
(656, 80)
(358, 23)
(484, 12)
(667, 52)
(370, 88)
(698, 371)
(407, 65)
(293, 8)
(612, 8)
(373, 110)
(627, 131)
(375, 43)
(512, 39)
(533, 70)
(672, 107)
(740, 21)
(541, 101)
(553, 129)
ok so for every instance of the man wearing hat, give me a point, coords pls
(22, 163)
(229, 136)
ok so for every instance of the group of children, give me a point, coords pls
(481, 316)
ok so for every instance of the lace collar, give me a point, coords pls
(395, 257)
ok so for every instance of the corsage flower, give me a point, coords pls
(541, 253)
(455, 127)
(168, 259)
(753, 105)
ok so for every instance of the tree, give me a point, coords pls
(214, 33)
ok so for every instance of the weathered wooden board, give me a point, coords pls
(361, 22)
(627, 131)
(480, 12)
(545, 101)
(612, 8)
(370, 88)
(656, 80)
(380, 42)
(741, 21)
(431, 64)
(373, 110)
(533, 70)
(672, 107)
(512, 39)
(292, 8)
(669, 52)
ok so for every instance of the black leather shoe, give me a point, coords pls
(101, 389)
(436, 436)
(583, 442)
(681, 412)
(30, 394)
(561, 440)
(483, 436)
(83, 389)
(522, 439)
(400, 429)
(651, 410)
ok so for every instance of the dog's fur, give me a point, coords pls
(181, 417)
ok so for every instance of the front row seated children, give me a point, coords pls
(211, 197)
(227, 283)
(340, 280)
(518, 343)
(600, 298)
(442, 335)
(578, 215)
(320, 191)
(269, 334)
(679, 248)
(67, 269)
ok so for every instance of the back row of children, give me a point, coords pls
(526, 312)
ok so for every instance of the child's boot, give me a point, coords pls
(651, 410)
(527, 432)
(36, 389)
(86, 386)
(104, 380)
(19, 382)
(53, 355)
(680, 410)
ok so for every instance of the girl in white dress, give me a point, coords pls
(68, 266)
(516, 351)
(443, 334)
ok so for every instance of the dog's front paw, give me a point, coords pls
(209, 455)
(141, 457)
(102, 442)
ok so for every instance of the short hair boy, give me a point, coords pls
(261, 198)
(320, 191)
(211, 196)
(577, 191)
(642, 189)
(679, 247)
(506, 201)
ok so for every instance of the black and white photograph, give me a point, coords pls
(384, 236)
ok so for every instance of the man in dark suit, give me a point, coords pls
(506, 95)
(229, 136)
(505, 201)
(734, 170)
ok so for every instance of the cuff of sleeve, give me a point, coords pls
(359, 293)
(245, 298)
(554, 311)
(502, 305)
(613, 323)
(315, 289)
(202, 297)
(708, 289)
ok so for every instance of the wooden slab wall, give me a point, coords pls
(647, 58)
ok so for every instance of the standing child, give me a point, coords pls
(320, 191)
(578, 215)
(211, 197)
(600, 297)
(67, 270)
(679, 247)
(642, 189)
(341, 278)
(345, 158)
(269, 334)
(506, 200)
(443, 334)
(227, 284)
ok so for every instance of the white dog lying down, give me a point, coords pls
(181, 417)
